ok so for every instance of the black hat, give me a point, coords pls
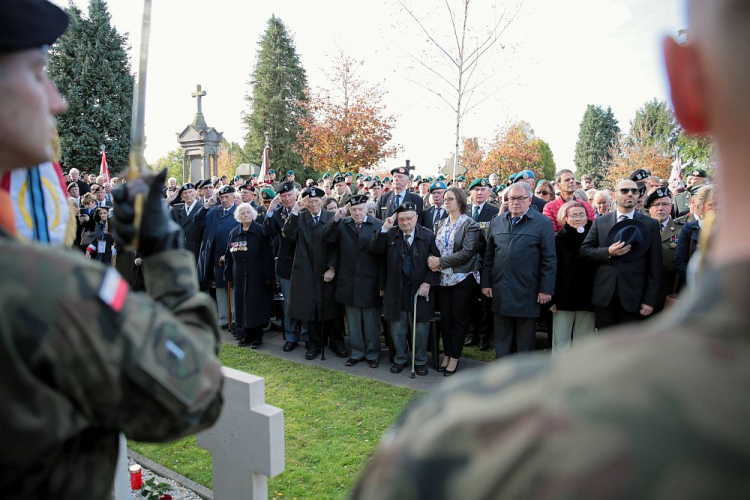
(28, 24)
(699, 173)
(400, 170)
(375, 183)
(640, 175)
(641, 188)
(406, 206)
(71, 186)
(226, 190)
(313, 192)
(285, 187)
(656, 194)
(338, 178)
(358, 199)
(187, 185)
(634, 233)
(248, 185)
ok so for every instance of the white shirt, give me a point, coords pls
(188, 209)
(629, 215)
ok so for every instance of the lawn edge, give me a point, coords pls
(160, 470)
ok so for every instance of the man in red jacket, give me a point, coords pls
(567, 182)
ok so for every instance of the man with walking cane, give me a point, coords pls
(407, 247)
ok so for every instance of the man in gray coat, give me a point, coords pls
(519, 270)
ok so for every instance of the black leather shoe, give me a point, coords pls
(448, 373)
(243, 343)
(276, 325)
(442, 368)
(471, 340)
(340, 352)
(312, 353)
(373, 363)
(421, 370)
(398, 367)
(255, 344)
(289, 346)
(352, 362)
(484, 345)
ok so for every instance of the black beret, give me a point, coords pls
(313, 192)
(71, 186)
(699, 173)
(358, 199)
(187, 185)
(407, 206)
(656, 194)
(400, 170)
(375, 183)
(338, 178)
(640, 175)
(248, 185)
(226, 190)
(28, 24)
(285, 187)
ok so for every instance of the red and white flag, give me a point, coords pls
(264, 166)
(675, 178)
(104, 170)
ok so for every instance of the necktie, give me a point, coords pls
(514, 221)
(439, 213)
(359, 226)
(406, 243)
(476, 213)
(315, 220)
(398, 200)
(622, 218)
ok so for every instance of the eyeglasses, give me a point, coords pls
(543, 193)
(629, 190)
(665, 204)
(576, 216)
(95, 190)
(519, 199)
(406, 219)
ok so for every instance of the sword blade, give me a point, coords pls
(137, 132)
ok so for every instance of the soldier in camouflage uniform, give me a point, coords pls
(654, 410)
(84, 358)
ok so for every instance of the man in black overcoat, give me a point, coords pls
(184, 215)
(625, 288)
(406, 248)
(313, 286)
(358, 280)
(435, 212)
(279, 211)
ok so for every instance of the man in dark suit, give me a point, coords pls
(75, 176)
(279, 211)
(217, 223)
(311, 294)
(625, 289)
(519, 269)
(436, 211)
(398, 195)
(482, 212)
(184, 215)
(406, 246)
(358, 280)
(659, 205)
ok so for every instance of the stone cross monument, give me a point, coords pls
(247, 442)
(200, 144)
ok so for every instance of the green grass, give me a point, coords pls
(333, 422)
(473, 352)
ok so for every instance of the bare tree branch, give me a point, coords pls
(429, 35)
(432, 91)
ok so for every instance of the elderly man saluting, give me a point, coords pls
(406, 248)
(519, 270)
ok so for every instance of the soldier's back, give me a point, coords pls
(657, 410)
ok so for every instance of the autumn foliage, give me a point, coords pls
(347, 128)
(511, 150)
(633, 152)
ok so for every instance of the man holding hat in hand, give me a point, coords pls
(626, 246)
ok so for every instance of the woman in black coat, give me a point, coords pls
(573, 312)
(248, 267)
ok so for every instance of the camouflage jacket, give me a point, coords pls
(657, 410)
(83, 358)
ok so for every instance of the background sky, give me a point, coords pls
(559, 57)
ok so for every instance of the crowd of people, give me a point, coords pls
(371, 256)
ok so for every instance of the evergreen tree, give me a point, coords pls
(599, 131)
(89, 65)
(276, 102)
(658, 122)
(546, 160)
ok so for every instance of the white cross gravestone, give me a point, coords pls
(247, 442)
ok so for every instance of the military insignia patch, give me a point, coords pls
(114, 290)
